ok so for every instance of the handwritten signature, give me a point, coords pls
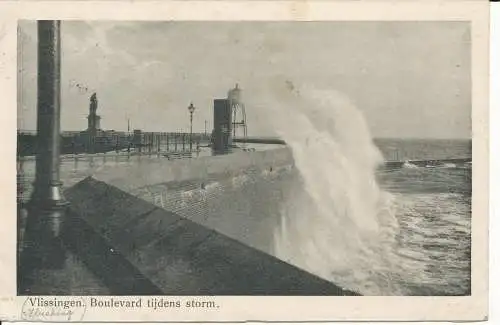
(37, 312)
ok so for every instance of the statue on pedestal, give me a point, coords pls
(93, 103)
(93, 119)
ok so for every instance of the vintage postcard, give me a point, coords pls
(235, 161)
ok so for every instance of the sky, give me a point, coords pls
(410, 79)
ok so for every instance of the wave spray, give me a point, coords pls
(337, 222)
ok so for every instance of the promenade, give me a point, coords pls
(121, 242)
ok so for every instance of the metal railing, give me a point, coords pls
(109, 147)
(137, 142)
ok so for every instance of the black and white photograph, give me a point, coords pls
(244, 158)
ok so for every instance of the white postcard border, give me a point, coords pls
(263, 308)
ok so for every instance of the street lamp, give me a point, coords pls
(46, 212)
(191, 109)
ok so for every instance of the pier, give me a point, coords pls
(118, 239)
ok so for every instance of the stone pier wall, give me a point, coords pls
(238, 195)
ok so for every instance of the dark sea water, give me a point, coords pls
(425, 249)
(414, 149)
(434, 215)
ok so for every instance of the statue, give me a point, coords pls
(93, 103)
(93, 119)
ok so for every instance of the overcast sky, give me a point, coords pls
(410, 79)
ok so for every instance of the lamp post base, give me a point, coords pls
(42, 246)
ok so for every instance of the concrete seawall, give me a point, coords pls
(217, 216)
(134, 245)
(135, 248)
(160, 170)
(238, 195)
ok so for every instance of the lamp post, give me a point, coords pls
(191, 109)
(46, 211)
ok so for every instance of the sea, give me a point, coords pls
(433, 212)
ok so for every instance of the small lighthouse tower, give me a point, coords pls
(229, 115)
(238, 111)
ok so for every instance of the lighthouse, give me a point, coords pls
(239, 117)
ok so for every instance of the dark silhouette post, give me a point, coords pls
(191, 109)
(140, 141)
(147, 142)
(159, 138)
(42, 249)
(151, 139)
